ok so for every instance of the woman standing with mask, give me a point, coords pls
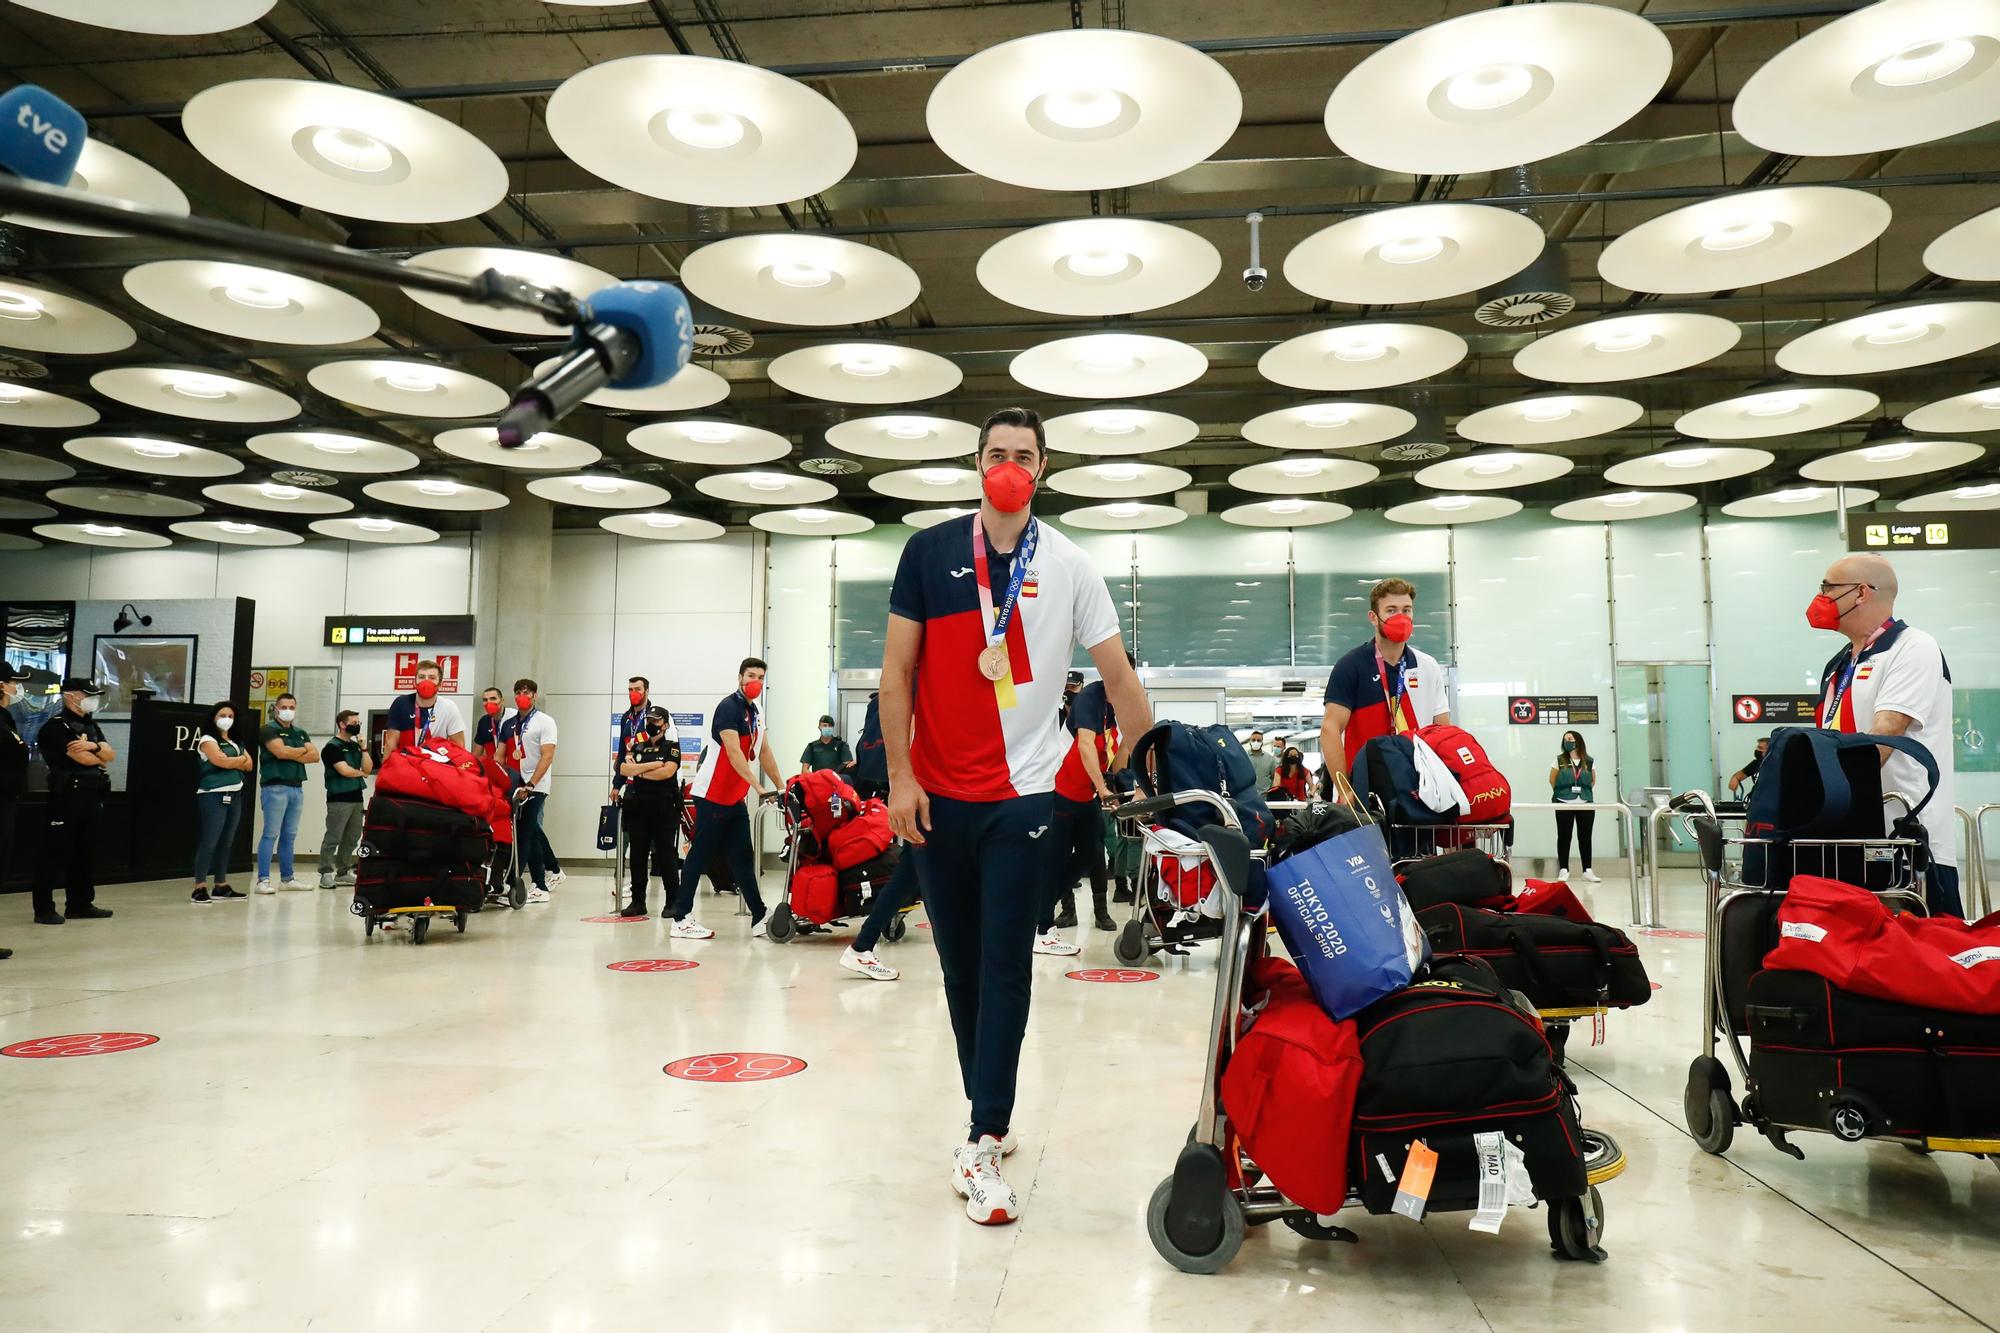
(1574, 779)
(1291, 777)
(218, 803)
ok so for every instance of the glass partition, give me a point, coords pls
(1337, 563)
(1212, 594)
(864, 570)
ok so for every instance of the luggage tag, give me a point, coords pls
(1597, 1028)
(228, 796)
(1492, 1183)
(1413, 1191)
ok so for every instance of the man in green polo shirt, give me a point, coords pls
(347, 767)
(285, 750)
(828, 751)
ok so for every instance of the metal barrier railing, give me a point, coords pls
(1628, 823)
(1975, 852)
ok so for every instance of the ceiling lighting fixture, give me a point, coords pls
(708, 128)
(1924, 62)
(866, 365)
(1119, 472)
(240, 529)
(1326, 418)
(1114, 423)
(413, 381)
(438, 488)
(9, 395)
(157, 449)
(940, 476)
(1301, 467)
(1098, 263)
(601, 485)
(810, 515)
(19, 305)
(663, 520)
(1411, 250)
(334, 444)
(1894, 329)
(1986, 492)
(800, 275)
(1775, 405)
(275, 492)
(1083, 108)
(906, 428)
(1626, 340)
(1452, 503)
(1686, 458)
(1281, 507)
(205, 387)
(1798, 495)
(764, 481)
(710, 432)
(1546, 410)
(1736, 236)
(1888, 453)
(1359, 349)
(356, 150)
(1625, 501)
(1105, 362)
(257, 298)
(1488, 88)
(1123, 510)
(376, 524)
(1494, 466)
(103, 530)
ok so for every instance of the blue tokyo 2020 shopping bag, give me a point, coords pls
(1343, 919)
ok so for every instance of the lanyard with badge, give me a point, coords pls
(1393, 697)
(993, 663)
(1844, 680)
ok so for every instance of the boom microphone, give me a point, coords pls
(631, 336)
(41, 136)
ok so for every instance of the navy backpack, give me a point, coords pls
(1817, 784)
(1174, 756)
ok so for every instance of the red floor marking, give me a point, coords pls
(615, 920)
(1113, 974)
(734, 1067)
(652, 965)
(78, 1043)
(1656, 933)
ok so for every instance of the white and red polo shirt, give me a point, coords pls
(976, 739)
(716, 779)
(1355, 683)
(1903, 671)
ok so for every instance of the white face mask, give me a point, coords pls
(224, 723)
(287, 714)
(1256, 747)
(90, 704)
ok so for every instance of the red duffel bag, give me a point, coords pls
(815, 893)
(1490, 794)
(1289, 1089)
(443, 773)
(862, 838)
(1548, 897)
(1847, 935)
(826, 798)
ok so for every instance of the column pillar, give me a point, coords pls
(511, 586)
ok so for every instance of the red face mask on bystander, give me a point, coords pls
(427, 689)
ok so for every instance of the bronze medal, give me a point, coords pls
(993, 662)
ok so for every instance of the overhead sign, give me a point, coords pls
(406, 671)
(1973, 531)
(1775, 709)
(398, 631)
(1552, 710)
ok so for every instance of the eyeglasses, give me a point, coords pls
(1826, 589)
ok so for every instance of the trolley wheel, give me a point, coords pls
(783, 925)
(1130, 946)
(459, 921)
(1313, 1229)
(1708, 1107)
(1852, 1119)
(1576, 1226)
(517, 892)
(1210, 1254)
(896, 928)
(420, 926)
(367, 926)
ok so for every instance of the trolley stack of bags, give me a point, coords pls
(843, 850)
(428, 833)
(1401, 1056)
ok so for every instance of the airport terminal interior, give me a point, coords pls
(594, 386)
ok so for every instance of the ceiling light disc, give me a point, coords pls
(1619, 506)
(1099, 266)
(1627, 347)
(243, 301)
(1353, 357)
(789, 277)
(1422, 252)
(1444, 510)
(870, 373)
(1688, 465)
(1744, 239)
(1550, 419)
(36, 319)
(1792, 501)
(534, 266)
(547, 452)
(1894, 338)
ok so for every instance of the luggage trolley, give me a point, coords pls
(857, 885)
(1740, 920)
(1198, 1217)
(1158, 922)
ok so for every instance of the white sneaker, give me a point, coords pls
(293, 886)
(346, 881)
(1053, 943)
(975, 1174)
(868, 965)
(264, 886)
(538, 895)
(1007, 1143)
(1562, 876)
(761, 928)
(1591, 875)
(687, 928)
(557, 877)
(325, 882)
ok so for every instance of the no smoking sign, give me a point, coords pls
(78, 1043)
(1113, 975)
(735, 1067)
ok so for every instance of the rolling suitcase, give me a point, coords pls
(1825, 1058)
(403, 828)
(381, 884)
(1557, 963)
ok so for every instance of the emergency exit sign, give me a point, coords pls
(1977, 531)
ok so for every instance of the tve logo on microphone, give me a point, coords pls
(41, 136)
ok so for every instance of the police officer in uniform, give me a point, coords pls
(650, 767)
(72, 745)
(13, 769)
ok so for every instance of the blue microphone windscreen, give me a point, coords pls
(41, 136)
(656, 313)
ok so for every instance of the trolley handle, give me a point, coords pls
(1146, 808)
(1694, 800)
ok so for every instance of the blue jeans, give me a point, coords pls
(530, 839)
(985, 867)
(281, 827)
(217, 814)
(724, 828)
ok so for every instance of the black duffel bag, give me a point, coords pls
(1448, 1058)
(381, 883)
(1557, 963)
(1470, 877)
(1310, 827)
(400, 828)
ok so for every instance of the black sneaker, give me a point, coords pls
(50, 918)
(89, 912)
(222, 893)
(200, 896)
(6, 953)
(633, 909)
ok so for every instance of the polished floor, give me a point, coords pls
(477, 1134)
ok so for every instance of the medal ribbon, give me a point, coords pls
(996, 623)
(1393, 697)
(1844, 680)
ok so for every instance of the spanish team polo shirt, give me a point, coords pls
(1903, 671)
(435, 723)
(1356, 685)
(976, 739)
(1090, 711)
(716, 779)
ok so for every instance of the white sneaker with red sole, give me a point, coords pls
(975, 1174)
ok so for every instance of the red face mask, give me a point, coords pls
(492, 708)
(1398, 628)
(1823, 612)
(752, 688)
(1008, 486)
(636, 696)
(524, 701)
(427, 690)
